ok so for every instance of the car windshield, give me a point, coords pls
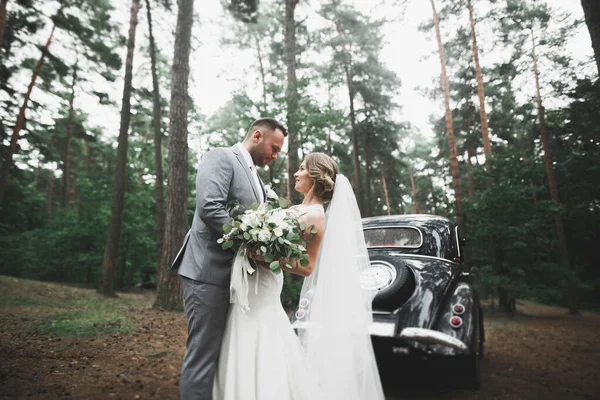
(393, 237)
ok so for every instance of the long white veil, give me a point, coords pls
(334, 311)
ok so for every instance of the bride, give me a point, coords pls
(331, 356)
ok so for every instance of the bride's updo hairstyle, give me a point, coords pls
(323, 171)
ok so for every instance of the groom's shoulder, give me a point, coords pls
(217, 153)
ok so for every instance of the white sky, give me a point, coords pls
(217, 71)
(409, 52)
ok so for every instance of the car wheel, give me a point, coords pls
(394, 281)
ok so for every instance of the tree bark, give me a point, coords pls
(21, 117)
(169, 296)
(385, 192)
(292, 98)
(2, 25)
(367, 210)
(118, 197)
(158, 159)
(470, 182)
(67, 161)
(487, 147)
(591, 11)
(353, 131)
(449, 128)
(263, 75)
(558, 219)
(414, 191)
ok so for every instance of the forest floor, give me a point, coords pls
(63, 342)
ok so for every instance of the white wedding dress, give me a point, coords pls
(261, 357)
(331, 358)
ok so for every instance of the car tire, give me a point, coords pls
(396, 294)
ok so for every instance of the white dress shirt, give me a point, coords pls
(250, 163)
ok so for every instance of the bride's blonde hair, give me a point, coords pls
(323, 171)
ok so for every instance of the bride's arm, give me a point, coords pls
(313, 221)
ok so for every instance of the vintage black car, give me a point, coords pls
(426, 311)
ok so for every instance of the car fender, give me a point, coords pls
(463, 293)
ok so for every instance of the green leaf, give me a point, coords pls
(283, 202)
(227, 245)
(313, 231)
(268, 257)
(274, 265)
(226, 228)
(246, 236)
(304, 262)
(254, 206)
(263, 249)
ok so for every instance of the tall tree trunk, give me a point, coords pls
(292, 98)
(487, 147)
(414, 191)
(118, 197)
(591, 11)
(558, 219)
(67, 161)
(356, 178)
(385, 192)
(449, 127)
(169, 295)
(2, 25)
(21, 117)
(263, 75)
(367, 211)
(158, 159)
(471, 185)
(470, 182)
(122, 264)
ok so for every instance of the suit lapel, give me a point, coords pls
(242, 161)
(262, 187)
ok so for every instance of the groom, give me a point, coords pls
(224, 175)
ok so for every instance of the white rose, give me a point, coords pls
(277, 217)
(264, 235)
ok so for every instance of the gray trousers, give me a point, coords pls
(206, 308)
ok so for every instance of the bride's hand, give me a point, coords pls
(256, 257)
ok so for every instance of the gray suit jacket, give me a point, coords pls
(222, 176)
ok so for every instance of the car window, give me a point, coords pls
(393, 237)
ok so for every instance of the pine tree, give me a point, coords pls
(116, 215)
(169, 287)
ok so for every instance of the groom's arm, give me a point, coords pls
(213, 180)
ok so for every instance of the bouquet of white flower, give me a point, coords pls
(270, 230)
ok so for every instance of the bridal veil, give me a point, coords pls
(334, 311)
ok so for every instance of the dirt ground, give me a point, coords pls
(541, 353)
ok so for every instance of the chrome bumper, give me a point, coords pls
(429, 336)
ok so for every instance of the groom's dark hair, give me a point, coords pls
(270, 123)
